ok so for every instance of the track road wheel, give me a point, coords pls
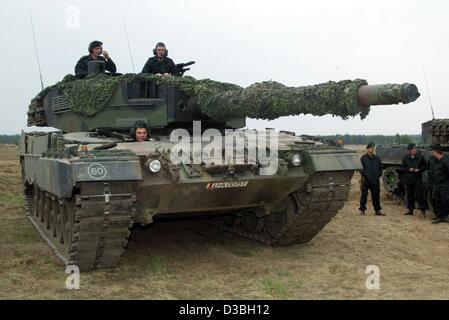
(280, 216)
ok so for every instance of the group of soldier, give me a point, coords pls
(160, 64)
(412, 168)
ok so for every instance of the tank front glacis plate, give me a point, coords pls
(186, 189)
(109, 170)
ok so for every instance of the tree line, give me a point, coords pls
(377, 139)
(10, 139)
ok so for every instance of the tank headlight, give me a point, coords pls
(155, 166)
(296, 160)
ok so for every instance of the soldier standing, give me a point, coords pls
(371, 173)
(441, 185)
(413, 165)
(432, 164)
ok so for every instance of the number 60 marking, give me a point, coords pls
(97, 171)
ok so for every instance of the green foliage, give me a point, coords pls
(224, 101)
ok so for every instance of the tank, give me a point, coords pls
(433, 132)
(88, 182)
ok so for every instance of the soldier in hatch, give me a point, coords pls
(141, 131)
(96, 52)
(160, 64)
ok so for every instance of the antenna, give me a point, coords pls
(427, 87)
(127, 41)
(35, 49)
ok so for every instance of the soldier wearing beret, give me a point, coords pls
(440, 184)
(370, 182)
(412, 168)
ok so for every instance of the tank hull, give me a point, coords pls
(84, 202)
(392, 156)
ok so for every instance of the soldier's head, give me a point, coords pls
(160, 50)
(437, 151)
(370, 148)
(141, 131)
(95, 48)
(412, 149)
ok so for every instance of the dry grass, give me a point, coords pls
(182, 260)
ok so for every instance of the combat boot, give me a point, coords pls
(380, 214)
(362, 212)
(409, 213)
(423, 212)
(438, 220)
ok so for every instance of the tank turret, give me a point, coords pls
(101, 101)
(436, 131)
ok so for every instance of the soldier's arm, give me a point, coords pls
(146, 67)
(110, 66)
(380, 167)
(404, 165)
(423, 165)
(80, 69)
(362, 171)
(172, 68)
(445, 166)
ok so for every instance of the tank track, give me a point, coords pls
(92, 229)
(307, 212)
(390, 179)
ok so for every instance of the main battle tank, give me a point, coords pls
(433, 132)
(87, 184)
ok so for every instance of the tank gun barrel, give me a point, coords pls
(387, 94)
(271, 100)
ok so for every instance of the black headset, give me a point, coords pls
(93, 45)
(160, 44)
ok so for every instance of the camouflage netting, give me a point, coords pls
(223, 101)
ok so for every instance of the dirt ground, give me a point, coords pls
(188, 260)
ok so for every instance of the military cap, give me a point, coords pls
(411, 146)
(437, 147)
(370, 145)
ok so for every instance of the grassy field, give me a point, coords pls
(188, 260)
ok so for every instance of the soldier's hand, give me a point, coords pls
(106, 54)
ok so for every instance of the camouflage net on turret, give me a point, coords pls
(440, 131)
(224, 101)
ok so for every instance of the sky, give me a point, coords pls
(293, 42)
